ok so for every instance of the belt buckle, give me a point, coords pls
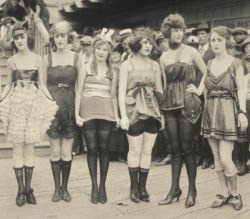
(62, 85)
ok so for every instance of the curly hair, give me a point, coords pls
(172, 21)
(140, 33)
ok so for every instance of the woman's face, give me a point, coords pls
(247, 48)
(61, 40)
(101, 52)
(116, 57)
(176, 35)
(218, 43)
(21, 41)
(146, 47)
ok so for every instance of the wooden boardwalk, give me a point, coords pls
(119, 205)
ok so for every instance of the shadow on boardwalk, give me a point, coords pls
(119, 205)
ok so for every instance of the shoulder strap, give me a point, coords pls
(50, 60)
(209, 64)
(14, 63)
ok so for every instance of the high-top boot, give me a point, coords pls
(143, 175)
(30, 198)
(243, 157)
(66, 167)
(20, 198)
(190, 161)
(134, 190)
(56, 171)
(175, 191)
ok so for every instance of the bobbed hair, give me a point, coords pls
(172, 21)
(30, 40)
(140, 33)
(61, 27)
(224, 32)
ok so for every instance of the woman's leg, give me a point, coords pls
(226, 149)
(145, 163)
(103, 133)
(55, 161)
(135, 146)
(90, 135)
(187, 133)
(28, 169)
(177, 160)
(219, 168)
(66, 154)
(18, 168)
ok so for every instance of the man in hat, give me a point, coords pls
(125, 36)
(239, 35)
(202, 33)
(86, 43)
(161, 41)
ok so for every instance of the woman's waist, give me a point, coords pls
(99, 90)
(221, 94)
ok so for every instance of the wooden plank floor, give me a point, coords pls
(119, 205)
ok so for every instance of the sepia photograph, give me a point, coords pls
(124, 109)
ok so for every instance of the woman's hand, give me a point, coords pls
(79, 121)
(242, 121)
(118, 122)
(193, 89)
(124, 122)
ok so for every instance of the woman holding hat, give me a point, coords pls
(141, 116)
(97, 111)
(183, 106)
(224, 114)
(61, 69)
(26, 110)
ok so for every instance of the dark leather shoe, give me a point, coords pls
(102, 195)
(236, 202)
(144, 196)
(94, 196)
(242, 169)
(56, 196)
(190, 201)
(220, 201)
(134, 196)
(30, 198)
(20, 199)
(65, 195)
(205, 164)
(170, 197)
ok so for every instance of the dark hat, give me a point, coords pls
(118, 48)
(245, 42)
(125, 33)
(240, 30)
(87, 40)
(6, 20)
(202, 26)
(158, 36)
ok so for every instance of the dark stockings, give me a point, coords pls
(97, 140)
(181, 134)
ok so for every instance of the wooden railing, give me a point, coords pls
(40, 35)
